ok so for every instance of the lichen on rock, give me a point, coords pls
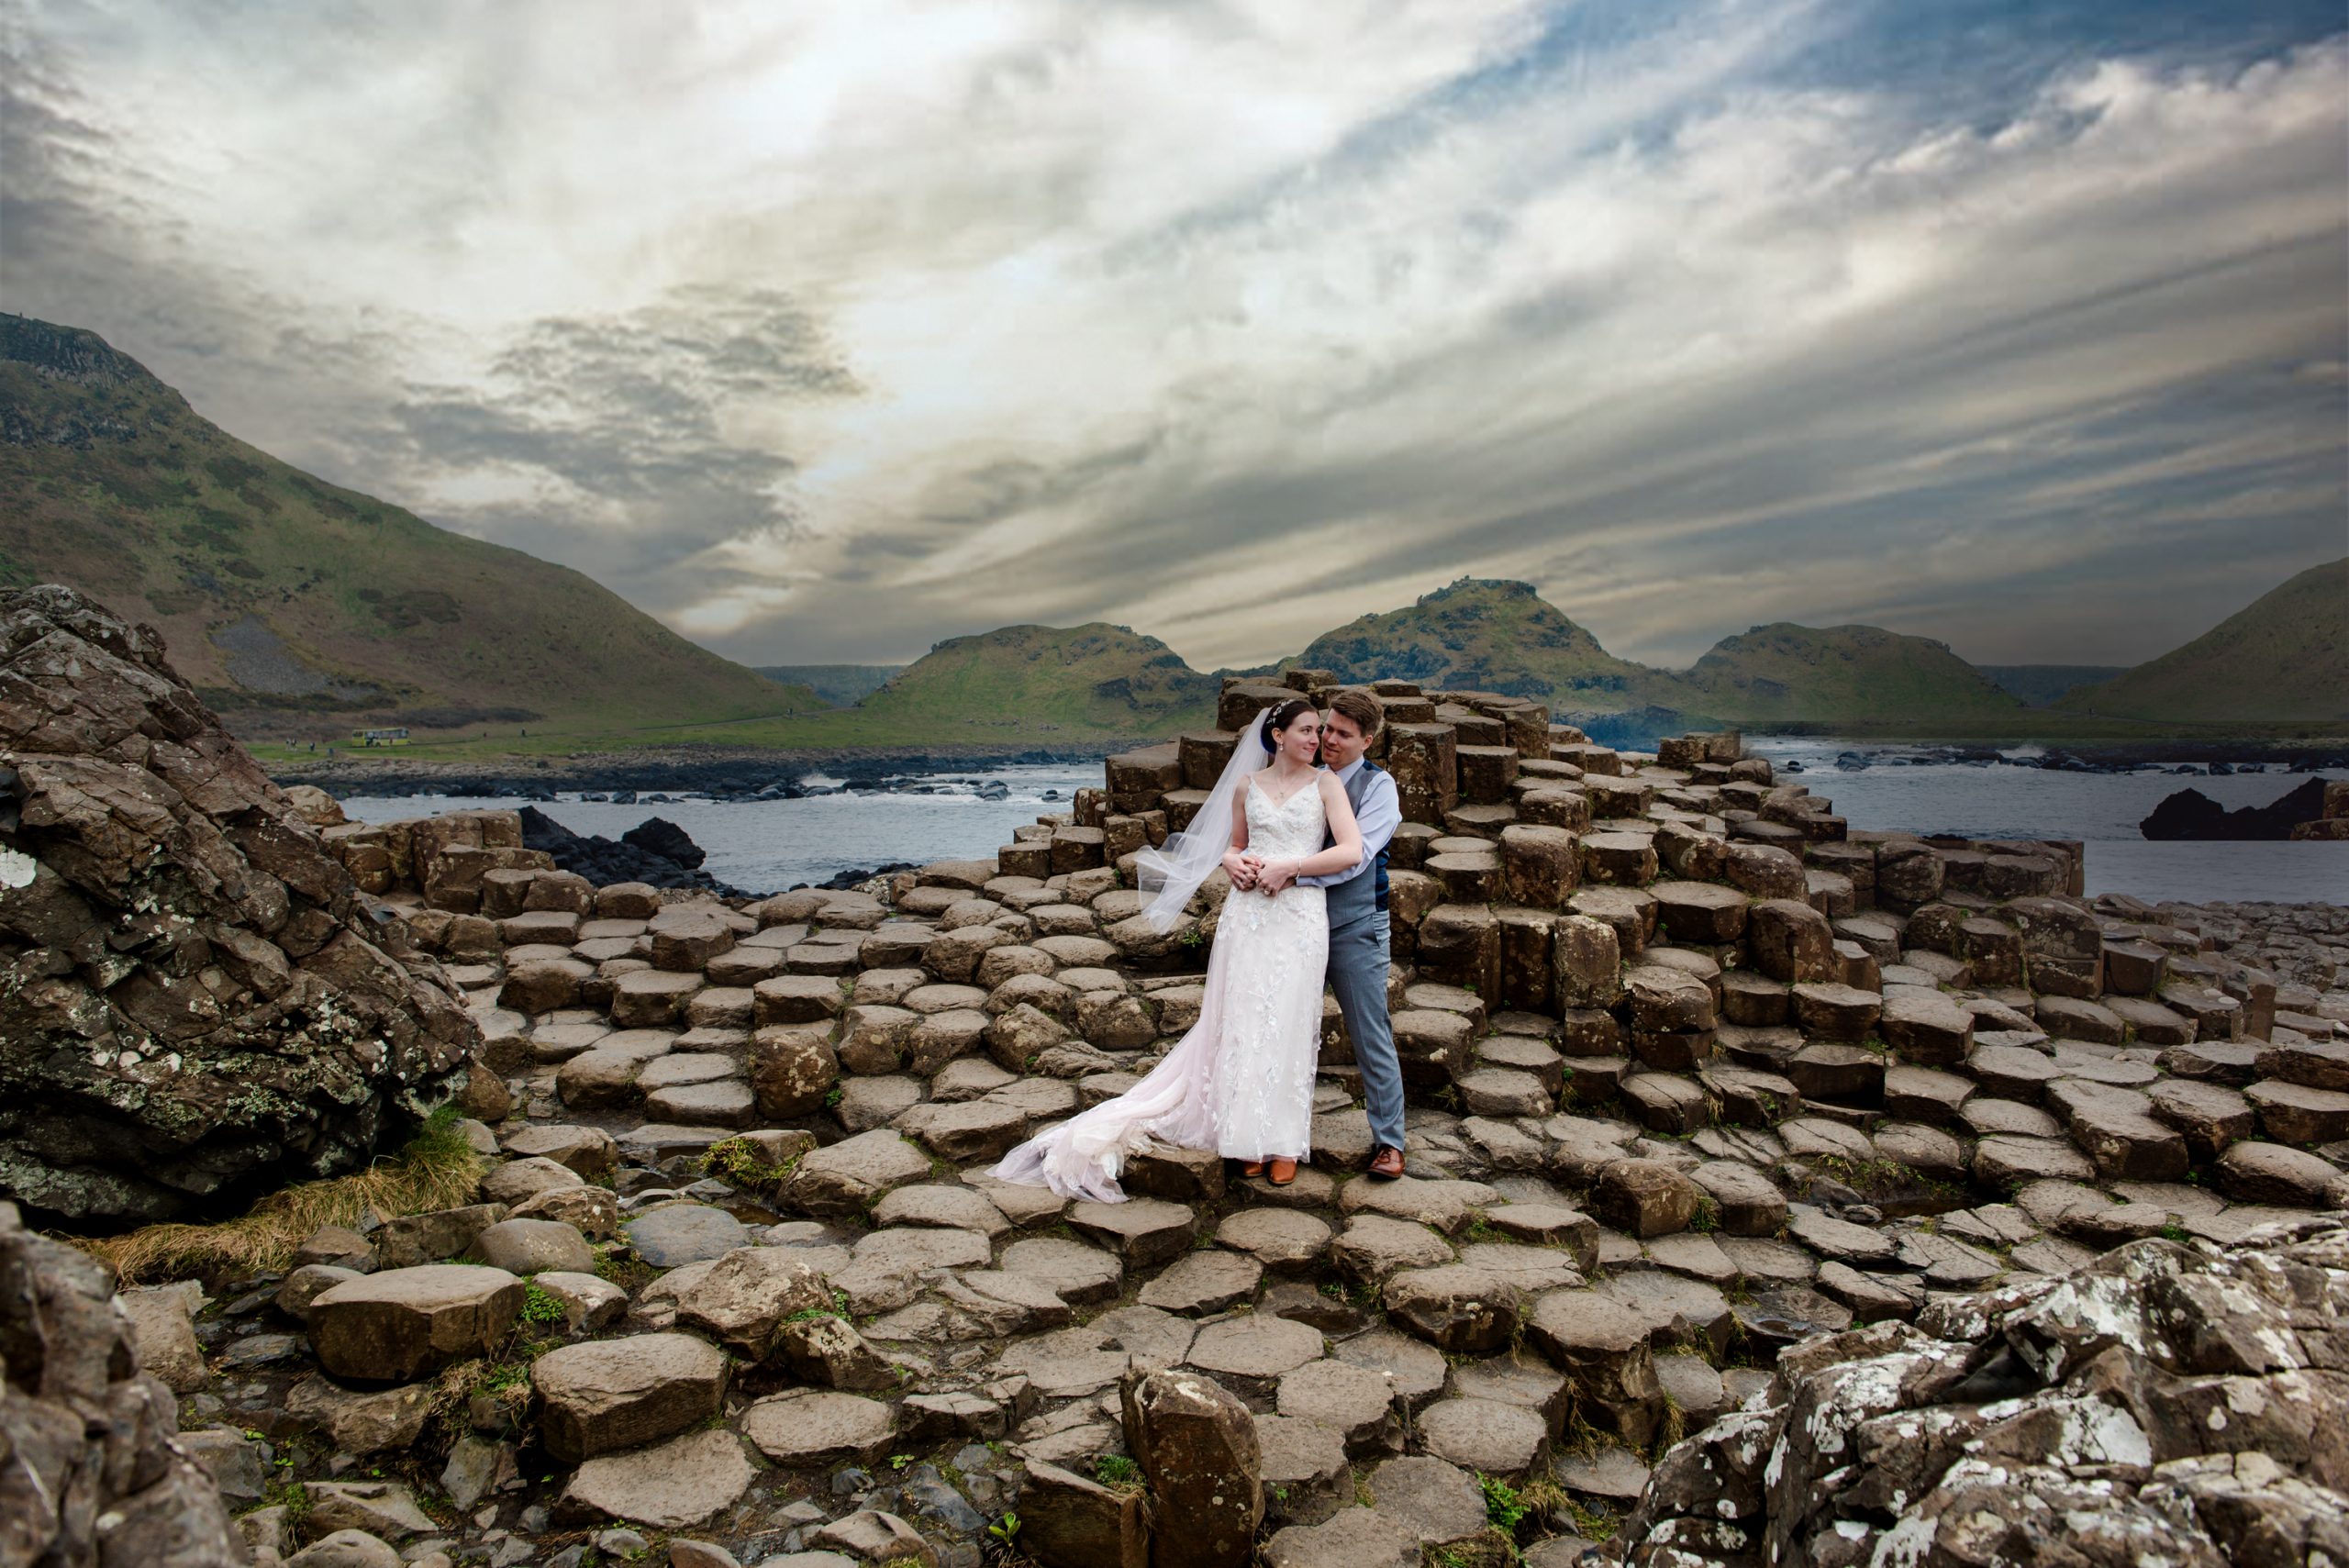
(196, 1001)
(2168, 1403)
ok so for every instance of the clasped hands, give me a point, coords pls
(1253, 873)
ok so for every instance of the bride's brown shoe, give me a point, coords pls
(1284, 1171)
(1252, 1168)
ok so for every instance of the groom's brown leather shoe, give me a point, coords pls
(1387, 1163)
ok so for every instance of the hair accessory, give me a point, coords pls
(1277, 719)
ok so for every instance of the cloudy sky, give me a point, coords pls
(824, 331)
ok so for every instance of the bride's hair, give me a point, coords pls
(1280, 718)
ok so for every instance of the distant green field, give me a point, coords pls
(829, 731)
(854, 731)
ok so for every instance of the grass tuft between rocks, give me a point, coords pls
(736, 1161)
(438, 1169)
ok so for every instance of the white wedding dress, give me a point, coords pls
(1240, 1082)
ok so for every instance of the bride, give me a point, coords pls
(1240, 1082)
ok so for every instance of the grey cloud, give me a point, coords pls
(1881, 468)
(630, 412)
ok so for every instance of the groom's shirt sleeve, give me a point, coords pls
(1381, 814)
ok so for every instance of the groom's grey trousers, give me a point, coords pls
(1358, 951)
(1358, 962)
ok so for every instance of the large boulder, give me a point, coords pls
(1197, 1445)
(202, 1000)
(2164, 1403)
(93, 1474)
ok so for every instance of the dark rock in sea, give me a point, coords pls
(2190, 814)
(605, 860)
(202, 1001)
(658, 835)
(623, 797)
(1792, 767)
(1850, 761)
(2187, 814)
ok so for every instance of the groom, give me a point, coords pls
(1357, 905)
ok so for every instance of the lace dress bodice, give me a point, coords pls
(1278, 830)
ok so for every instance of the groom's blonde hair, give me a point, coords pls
(1362, 707)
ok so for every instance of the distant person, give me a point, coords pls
(1240, 1082)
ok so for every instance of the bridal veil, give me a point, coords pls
(1172, 873)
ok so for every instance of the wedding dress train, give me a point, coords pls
(1240, 1082)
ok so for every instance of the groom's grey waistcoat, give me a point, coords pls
(1359, 895)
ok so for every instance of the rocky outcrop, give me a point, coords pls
(2190, 814)
(656, 852)
(91, 1471)
(2168, 1403)
(194, 997)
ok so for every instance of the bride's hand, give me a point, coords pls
(1276, 876)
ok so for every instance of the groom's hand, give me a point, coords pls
(1241, 869)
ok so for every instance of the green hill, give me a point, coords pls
(1095, 678)
(1497, 636)
(298, 607)
(1482, 634)
(2040, 684)
(1785, 674)
(2283, 658)
(841, 686)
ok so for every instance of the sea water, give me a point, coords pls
(766, 846)
(1904, 789)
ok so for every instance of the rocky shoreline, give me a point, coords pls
(720, 773)
(2184, 758)
(1780, 1192)
(749, 773)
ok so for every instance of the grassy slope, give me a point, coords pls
(1085, 679)
(109, 481)
(2284, 657)
(1485, 635)
(1839, 675)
